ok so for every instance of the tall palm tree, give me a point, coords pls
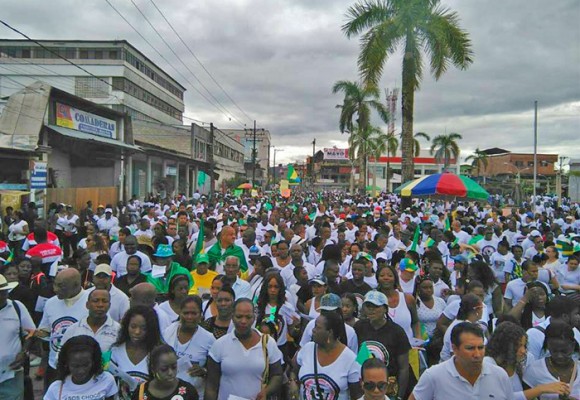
(478, 160)
(420, 27)
(358, 103)
(444, 147)
(417, 145)
(360, 142)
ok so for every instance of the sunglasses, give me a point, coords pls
(371, 386)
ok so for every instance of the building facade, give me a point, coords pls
(125, 79)
(263, 143)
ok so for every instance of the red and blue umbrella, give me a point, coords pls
(445, 184)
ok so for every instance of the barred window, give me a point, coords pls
(90, 87)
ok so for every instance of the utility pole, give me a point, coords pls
(211, 161)
(254, 158)
(313, 152)
(535, 152)
(559, 181)
(268, 169)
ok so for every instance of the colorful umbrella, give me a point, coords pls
(245, 186)
(445, 184)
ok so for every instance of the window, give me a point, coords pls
(519, 163)
(530, 163)
(26, 53)
(89, 87)
(98, 54)
(113, 54)
(84, 54)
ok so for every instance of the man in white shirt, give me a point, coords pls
(231, 269)
(97, 324)
(119, 261)
(119, 302)
(15, 321)
(462, 236)
(60, 312)
(107, 222)
(465, 375)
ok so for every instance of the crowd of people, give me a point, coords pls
(317, 296)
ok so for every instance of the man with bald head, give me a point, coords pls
(224, 248)
(145, 294)
(119, 261)
(60, 312)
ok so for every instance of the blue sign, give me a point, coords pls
(38, 175)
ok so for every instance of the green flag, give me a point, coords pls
(292, 175)
(416, 238)
(447, 226)
(201, 177)
(199, 246)
(363, 354)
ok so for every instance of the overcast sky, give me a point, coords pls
(279, 59)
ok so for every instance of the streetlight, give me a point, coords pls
(518, 189)
(275, 151)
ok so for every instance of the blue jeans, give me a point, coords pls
(13, 389)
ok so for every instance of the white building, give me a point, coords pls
(574, 180)
(129, 82)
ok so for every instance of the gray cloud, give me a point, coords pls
(279, 60)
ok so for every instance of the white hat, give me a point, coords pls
(5, 285)
(103, 269)
(108, 210)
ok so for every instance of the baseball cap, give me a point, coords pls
(254, 251)
(406, 264)
(202, 258)
(330, 302)
(367, 256)
(535, 233)
(377, 298)
(319, 279)
(103, 269)
(108, 210)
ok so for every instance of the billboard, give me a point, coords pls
(335, 154)
(70, 117)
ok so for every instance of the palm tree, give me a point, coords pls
(417, 145)
(444, 147)
(478, 159)
(358, 103)
(417, 26)
(360, 142)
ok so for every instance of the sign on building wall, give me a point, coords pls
(38, 171)
(72, 118)
(335, 154)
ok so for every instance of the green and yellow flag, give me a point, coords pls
(416, 238)
(292, 175)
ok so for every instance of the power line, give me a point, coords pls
(199, 61)
(183, 63)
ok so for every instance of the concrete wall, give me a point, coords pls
(574, 181)
(59, 161)
(95, 177)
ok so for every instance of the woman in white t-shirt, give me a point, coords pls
(191, 343)
(178, 289)
(326, 368)
(236, 361)
(138, 336)
(80, 372)
(429, 306)
(560, 366)
(17, 233)
(507, 348)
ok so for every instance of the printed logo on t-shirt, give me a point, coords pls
(59, 328)
(488, 250)
(378, 350)
(327, 389)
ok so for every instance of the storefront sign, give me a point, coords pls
(69, 117)
(170, 171)
(335, 154)
(38, 174)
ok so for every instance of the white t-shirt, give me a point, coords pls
(498, 263)
(15, 230)
(98, 388)
(165, 307)
(119, 263)
(351, 337)
(429, 316)
(10, 329)
(58, 317)
(333, 379)
(487, 247)
(139, 372)
(193, 352)
(241, 368)
(106, 335)
(515, 290)
(537, 374)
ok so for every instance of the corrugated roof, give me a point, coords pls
(174, 139)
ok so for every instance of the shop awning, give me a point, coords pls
(86, 136)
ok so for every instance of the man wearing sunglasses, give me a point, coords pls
(374, 380)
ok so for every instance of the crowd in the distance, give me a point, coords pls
(319, 296)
